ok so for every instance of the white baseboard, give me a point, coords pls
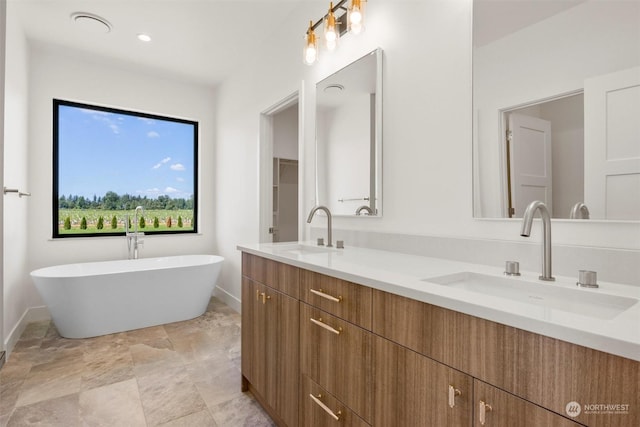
(227, 298)
(31, 314)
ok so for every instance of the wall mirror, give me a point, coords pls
(349, 138)
(556, 102)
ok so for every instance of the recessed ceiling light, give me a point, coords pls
(334, 88)
(144, 37)
(91, 22)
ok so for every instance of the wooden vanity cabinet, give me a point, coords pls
(544, 371)
(314, 345)
(412, 390)
(270, 342)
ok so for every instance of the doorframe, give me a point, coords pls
(265, 164)
(503, 117)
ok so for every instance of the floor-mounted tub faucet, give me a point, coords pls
(525, 231)
(135, 236)
(328, 212)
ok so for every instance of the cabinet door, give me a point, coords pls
(497, 408)
(413, 390)
(270, 347)
(337, 355)
(254, 334)
(282, 362)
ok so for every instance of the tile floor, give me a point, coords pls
(179, 374)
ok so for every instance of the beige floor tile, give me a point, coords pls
(154, 357)
(106, 368)
(9, 393)
(112, 405)
(38, 389)
(217, 380)
(169, 395)
(198, 419)
(241, 411)
(59, 412)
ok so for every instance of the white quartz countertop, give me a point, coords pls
(405, 275)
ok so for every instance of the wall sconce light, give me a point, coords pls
(338, 20)
(310, 46)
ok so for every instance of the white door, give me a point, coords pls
(612, 145)
(529, 162)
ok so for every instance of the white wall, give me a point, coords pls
(427, 132)
(19, 294)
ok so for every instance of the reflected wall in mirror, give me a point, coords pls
(349, 138)
(556, 101)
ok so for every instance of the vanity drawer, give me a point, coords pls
(282, 277)
(319, 408)
(344, 299)
(337, 355)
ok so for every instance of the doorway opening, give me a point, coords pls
(279, 175)
(543, 155)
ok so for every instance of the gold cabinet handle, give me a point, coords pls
(453, 392)
(265, 297)
(325, 407)
(484, 408)
(258, 295)
(320, 323)
(325, 296)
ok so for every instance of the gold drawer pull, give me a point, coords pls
(258, 295)
(453, 392)
(326, 296)
(320, 323)
(484, 408)
(325, 407)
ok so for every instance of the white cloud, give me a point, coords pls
(146, 120)
(170, 190)
(163, 161)
(177, 167)
(153, 134)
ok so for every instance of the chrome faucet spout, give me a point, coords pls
(525, 231)
(579, 211)
(328, 212)
(133, 252)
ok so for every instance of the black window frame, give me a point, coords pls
(55, 190)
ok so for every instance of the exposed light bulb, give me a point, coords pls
(355, 16)
(310, 53)
(331, 33)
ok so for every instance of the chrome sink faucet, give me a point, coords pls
(579, 211)
(525, 231)
(135, 236)
(367, 209)
(328, 212)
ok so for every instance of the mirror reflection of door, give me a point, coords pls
(285, 175)
(530, 169)
(566, 115)
(612, 146)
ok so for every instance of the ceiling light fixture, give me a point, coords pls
(91, 22)
(331, 32)
(144, 37)
(338, 20)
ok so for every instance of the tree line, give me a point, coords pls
(114, 201)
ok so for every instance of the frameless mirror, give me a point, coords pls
(556, 102)
(349, 138)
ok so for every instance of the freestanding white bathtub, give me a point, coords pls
(99, 298)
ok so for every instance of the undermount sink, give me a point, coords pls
(578, 301)
(300, 249)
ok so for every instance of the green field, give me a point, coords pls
(93, 215)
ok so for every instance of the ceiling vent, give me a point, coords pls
(91, 23)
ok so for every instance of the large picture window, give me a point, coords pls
(107, 162)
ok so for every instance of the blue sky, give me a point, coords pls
(103, 151)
